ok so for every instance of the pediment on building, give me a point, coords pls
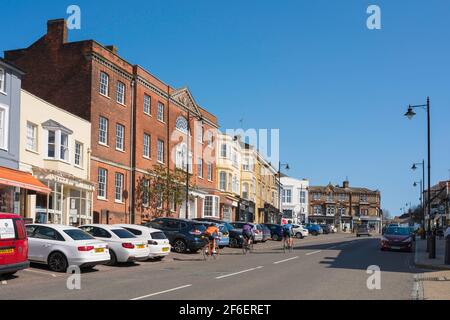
(185, 97)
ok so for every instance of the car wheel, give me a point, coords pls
(57, 262)
(298, 235)
(275, 237)
(180, 246)
(234, 243)
(157, 258)
(113, 259)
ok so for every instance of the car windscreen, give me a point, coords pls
(199, 226)
(158, 235)
(78, 235)
(397, 231)
(123, 234)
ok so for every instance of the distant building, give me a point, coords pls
(294, 203)
(440, 204)
(344, 206)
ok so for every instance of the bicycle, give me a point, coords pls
(288, 246)
(246, 247)
(206, 248)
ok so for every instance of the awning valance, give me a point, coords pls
(15, 178)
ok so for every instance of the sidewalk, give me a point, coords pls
(434, 285)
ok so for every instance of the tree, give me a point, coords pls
(161, 190)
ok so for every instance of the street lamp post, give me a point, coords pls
(410, 114)
(286, 166)
(421, 204)
(414, 167)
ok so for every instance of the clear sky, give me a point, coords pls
(336, 90)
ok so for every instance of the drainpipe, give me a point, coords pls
(168, 149)
(131, 193)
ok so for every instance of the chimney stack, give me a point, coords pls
(112, 48)
(57, 30)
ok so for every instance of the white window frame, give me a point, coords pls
(120, 139)
(104, 143)
(4, 114)
(104, 84)
(200, 134)
(34, 138)
(214, 205)
(287, 196)
(210, 139)
(147, 104)
(302, 196)
(210, 171)
(61, 146)
(199, 167)
(160, 151)
(78, 153)
(104, 183)
(118, 187)
(160, 112)
(55, 145)
(2, 80)
(223, 181)
(121, 91)
(147, 146)
(223, 150)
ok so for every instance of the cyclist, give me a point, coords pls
(248, 233)
(288, 234)
(212, 232)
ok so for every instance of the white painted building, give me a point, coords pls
(294, 200)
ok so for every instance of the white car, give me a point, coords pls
(123, 245)
(61, 246)
(157, 241)
(299, 231)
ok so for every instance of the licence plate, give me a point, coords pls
(6, 251)
(99, 250)
(396, 248)
(140, 246)
(165, 249)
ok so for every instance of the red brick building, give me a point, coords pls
(137, 120)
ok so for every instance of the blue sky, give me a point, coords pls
(336, 90)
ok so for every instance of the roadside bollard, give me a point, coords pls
(428, 243)
(432, 253)
(447, 250)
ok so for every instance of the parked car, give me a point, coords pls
(362, 230)
(326, 228)
(158, 243)
(396, 238)
(300, 231)
(13, 244)
(183, 234)
(314, 229)
(258, 233)
(235, 235)
(61, 246)
(276, 231)
(123, 245)
(265, 232)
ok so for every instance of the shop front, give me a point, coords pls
(321, 219)
(271, 214)
(69, 202)
(246, 211)
(373, 222)
(346, 224)
(228, 208)
(16, 187)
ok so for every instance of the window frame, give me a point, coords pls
(105, 131)
(105, 183)
(80, 154)
(120, 139)
(35, 137)
(149, 106)
(4, 109)
(3, 81)
(121, 86)
(147, 149)
(160, 116)
(104, 85)
(116, 186)
(160, 151)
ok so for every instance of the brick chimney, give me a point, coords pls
(113, 49)
(346, 184)
(57, 31)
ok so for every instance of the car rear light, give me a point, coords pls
(21, 233)
(195, 232)
(85, 248)
(128, 245)
(152, 242)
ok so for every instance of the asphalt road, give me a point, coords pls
(324, 267)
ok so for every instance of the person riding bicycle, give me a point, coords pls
(248, 232)
(212, 232)
(288, 233)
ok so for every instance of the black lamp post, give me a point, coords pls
(410, 114)
(286, 166)
(414, 167)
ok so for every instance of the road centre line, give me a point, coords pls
(239, 272)
(310, 253)
(285, 260)
(161, 292)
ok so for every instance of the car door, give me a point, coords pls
(172, 229)
(47, 240)
(32, 244)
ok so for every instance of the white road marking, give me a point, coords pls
(161, 292)
(239, 272)
(310, 253)
(4, 282)
(285, 260)
(40, 272)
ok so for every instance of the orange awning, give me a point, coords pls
(15, 178)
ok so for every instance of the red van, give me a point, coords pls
(13, 244)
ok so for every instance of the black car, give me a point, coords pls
(235, 235)
(183, 234)
(276, 231)
(326, 228)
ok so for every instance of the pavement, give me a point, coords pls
(432, 285)
(333, 266)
